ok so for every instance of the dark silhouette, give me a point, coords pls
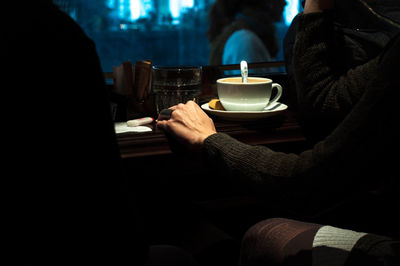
(68, 200)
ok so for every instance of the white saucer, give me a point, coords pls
(272, 110)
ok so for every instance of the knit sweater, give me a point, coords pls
(352, 35)
(356, 158)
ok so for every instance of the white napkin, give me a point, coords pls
(121, 127)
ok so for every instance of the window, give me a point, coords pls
(168, 32)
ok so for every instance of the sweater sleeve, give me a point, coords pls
(329, 171)
(258, 164)
(282, 179)
(323, 84)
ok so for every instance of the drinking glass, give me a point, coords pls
(173, 85)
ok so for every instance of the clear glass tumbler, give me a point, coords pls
(173, 85)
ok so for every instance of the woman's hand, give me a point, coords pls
(318, 5)
(189, 125)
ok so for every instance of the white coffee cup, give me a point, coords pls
(255, 95)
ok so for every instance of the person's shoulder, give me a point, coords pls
(244, 35)
(244, 45)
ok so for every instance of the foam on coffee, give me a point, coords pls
(249, 80)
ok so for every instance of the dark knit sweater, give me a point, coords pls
(351, 35)
(323, 85)
(356, 158)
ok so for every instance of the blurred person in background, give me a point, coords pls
(243, 30)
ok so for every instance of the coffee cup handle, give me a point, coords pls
(278, 93)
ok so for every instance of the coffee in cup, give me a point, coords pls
(253, 95)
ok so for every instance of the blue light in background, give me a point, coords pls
(135, 8)
(291, 10)
(176, 6)
(121, 7)
(188, 3)
(110, 3)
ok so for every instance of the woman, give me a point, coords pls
(353, 165)
(243, 30)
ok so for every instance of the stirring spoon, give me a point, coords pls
(244, 71)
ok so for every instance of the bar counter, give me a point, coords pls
(281, 129)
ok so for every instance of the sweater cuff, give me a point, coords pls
(331, 245)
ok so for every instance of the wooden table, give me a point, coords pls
(150, 153)
(280, 130)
